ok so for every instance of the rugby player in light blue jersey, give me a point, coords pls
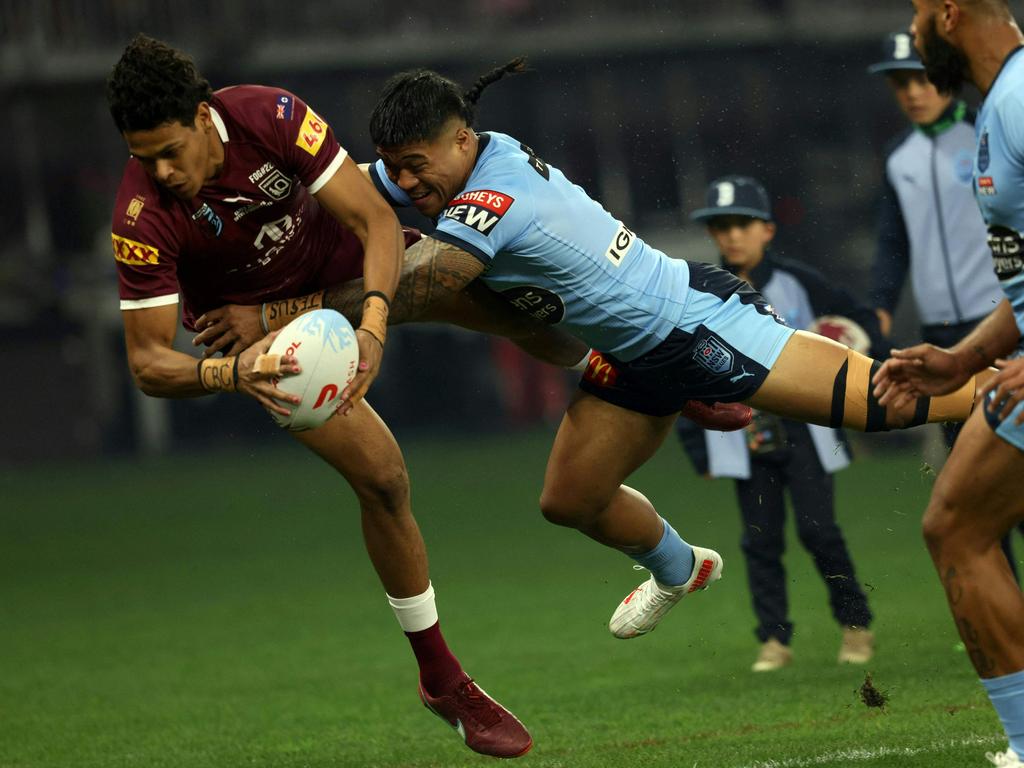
(666, 331)
(978, 495)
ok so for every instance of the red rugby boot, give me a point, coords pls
(721, 417)
(485, 725)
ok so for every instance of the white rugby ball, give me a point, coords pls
(844, 330)
(325, 346)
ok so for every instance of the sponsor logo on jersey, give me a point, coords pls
(209, 223)
(537, 302)
(285, 105)
(600, 372)
(619, 245)
(134, 253)
(983, 156)
(986, 185)
(134, 209)
(312, 132)
(712, 353)
(276, 185)
(1007, 251)
(480, 209)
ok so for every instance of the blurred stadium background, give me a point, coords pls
(138, 629)
(642, 103)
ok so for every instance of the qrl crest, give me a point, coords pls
(712, 354)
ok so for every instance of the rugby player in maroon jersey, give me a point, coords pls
(244, 195)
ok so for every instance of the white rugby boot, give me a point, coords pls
(1007, 759)
(643, 608)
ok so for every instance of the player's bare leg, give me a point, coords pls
(819, 381)
(976, 500)
(363, 450)
(597, 447)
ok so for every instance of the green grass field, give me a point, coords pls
(219, 611)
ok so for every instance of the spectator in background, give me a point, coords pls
(774, 454)
(929, 223)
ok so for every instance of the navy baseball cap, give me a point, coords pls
(897, 53)
(735, 196)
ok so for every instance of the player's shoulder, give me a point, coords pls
(253, 111)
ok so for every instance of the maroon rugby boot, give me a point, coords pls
(485, 725)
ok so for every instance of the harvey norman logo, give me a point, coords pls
(480, 209)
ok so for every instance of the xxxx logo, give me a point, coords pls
(599, 371)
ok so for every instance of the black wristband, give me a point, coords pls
(234, 372)
(379, 295)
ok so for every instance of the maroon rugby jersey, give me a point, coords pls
(253, 233)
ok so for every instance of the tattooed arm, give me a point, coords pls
(432, 273)
(437, 284)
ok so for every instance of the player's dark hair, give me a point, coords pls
(416, 105)
(152, 84)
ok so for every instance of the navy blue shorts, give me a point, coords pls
(722, 351)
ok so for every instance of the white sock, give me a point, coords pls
(415, 613)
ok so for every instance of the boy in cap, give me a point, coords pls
(776, 454)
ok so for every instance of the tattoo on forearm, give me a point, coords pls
(431, 273)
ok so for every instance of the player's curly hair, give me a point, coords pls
(416, 105)
(152, 84)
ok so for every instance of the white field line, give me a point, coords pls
(856, 754)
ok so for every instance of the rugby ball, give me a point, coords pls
(325, 345)
(844, 330)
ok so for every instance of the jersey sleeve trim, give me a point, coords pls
(458, 242)
(155, 301)
(329, 171)
(218, 123)
(391, 191)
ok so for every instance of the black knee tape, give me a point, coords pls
(839, 397)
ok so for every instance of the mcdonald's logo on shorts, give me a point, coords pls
(600, 372)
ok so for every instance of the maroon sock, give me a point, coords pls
(439, 669)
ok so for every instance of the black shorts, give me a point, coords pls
(734, 341)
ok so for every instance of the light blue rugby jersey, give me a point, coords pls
(559, 255)
(999, 177)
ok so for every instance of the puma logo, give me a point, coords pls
(742, 375)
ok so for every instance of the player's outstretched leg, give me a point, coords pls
(598, 445)
(362, 449)
(820, 381)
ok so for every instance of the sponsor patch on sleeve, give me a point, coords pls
(480, 209)
(284, 106)
(312, 132)
(133, 252)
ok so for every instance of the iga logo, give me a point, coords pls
(481, 209)
(620, 245)
(713, 354)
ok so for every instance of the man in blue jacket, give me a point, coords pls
(776, 454)
(929, 224)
